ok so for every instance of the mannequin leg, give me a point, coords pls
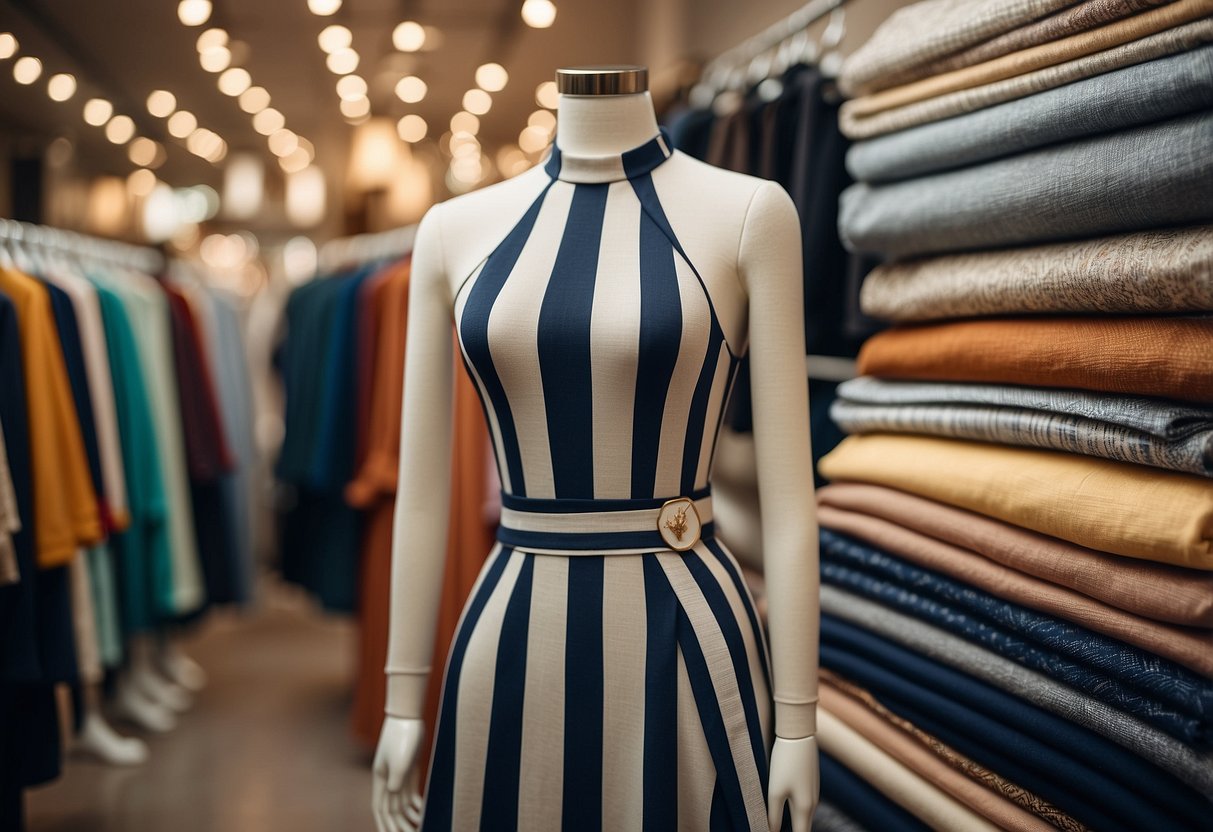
(180, 668)
(133, 705)
(98, 739)
(148, 679)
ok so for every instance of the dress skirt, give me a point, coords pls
(612, 692)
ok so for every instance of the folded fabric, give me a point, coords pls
(1111, 507)
(863, 802)
(1138, 356)
(1144, 177)
(829, 818)
(1187, 646)
(1169, 42)
(1033, 58)
(1091, 711)
(1078, 771)
(1162, 593)
(1138, 94)
(1144, 272)
(1031, 429)
(1082, 17)
(1188, 692)
(903, 786)
(1003, 803)
(923, 32)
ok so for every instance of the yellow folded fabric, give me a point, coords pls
(1115, 507)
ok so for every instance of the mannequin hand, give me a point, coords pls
(394, 798)
(795, 778)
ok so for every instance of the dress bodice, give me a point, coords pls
(593, 341)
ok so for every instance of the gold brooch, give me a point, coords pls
(679, 524)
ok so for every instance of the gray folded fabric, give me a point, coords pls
(1145, 272)
(1144, 177)
(1140, 94)
(1190, 766)
(829, 818)
(1151, 432)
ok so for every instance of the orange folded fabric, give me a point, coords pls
(1167, 357)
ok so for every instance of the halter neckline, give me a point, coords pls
(599, 169)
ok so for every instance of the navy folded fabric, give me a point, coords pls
(1144, 177)
(1140, 94)
(1156, 707)
(1064, 756)
(862, 802)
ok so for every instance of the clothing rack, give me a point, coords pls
(141, 258)
(363, 248)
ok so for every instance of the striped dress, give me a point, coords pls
(609, 670)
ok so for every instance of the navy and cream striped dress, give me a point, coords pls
(609, 670)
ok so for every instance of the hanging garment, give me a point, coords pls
(10, 520)
(601, 679)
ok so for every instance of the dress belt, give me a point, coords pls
(605, 527)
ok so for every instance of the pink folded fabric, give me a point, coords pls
(1155, 591)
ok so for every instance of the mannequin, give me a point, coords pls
(743, 234)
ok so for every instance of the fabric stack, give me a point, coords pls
(1017, 547)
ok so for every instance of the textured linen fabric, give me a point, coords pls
(829, 818)
(1144, 177)
(1169, 42)
(870, 808)
(899, 782)
(1080, 772)
(1112, 507)
(927, 409)
(1142, 272)
(1091, 710)
(923, 32)
(1033, 58)
(1190, 647)
(1162, 593)
(983, 791)
(1137, 356)
(1139, 94)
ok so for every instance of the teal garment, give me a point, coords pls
(105, 605)
(144, 563)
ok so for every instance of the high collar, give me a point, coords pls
(597, 169)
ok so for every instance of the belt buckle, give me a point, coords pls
(678, 523)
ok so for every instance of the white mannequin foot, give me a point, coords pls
(160, 690)
(99, 740)
(180, 668)
(132, 705)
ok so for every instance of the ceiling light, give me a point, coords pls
(283, 142)
(463, 122)
(27, 69)
(182, 123)
(194, 12)
(410, 89)
(61, 87)
(120, 129)
(97, 111)
(355, 107)
(511, 161)
(8, 45)
(217, 155)
(234, 81)
(305, 196)
(533, 139)
(268, 120)
(254, 100)
(161, 103)
(308, 148)
(216, 59)
(351, 87)
(491, 77)
(210, 39)
(294, 161)
(464, 144)
(477, 102)
(332, 38)
(538, 14)
(141, 182)
(409, 36)
(323, 8)
(542, 118)
(412, 128)
(144, 152)
(203, 142)
(342, 62)
(546, 95)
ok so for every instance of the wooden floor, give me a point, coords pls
(266, 747)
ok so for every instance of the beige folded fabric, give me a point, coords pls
(905, 787)
(1150, 590)
(923, 32)
(983, 791)
(1146, 272)
(1168, 42)
(1109, 506)
(1190, 647)
(1033, 58)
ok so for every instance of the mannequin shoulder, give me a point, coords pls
(734, 193)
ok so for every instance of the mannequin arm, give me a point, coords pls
(769, 262)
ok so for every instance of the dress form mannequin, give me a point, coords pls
(748, 232)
